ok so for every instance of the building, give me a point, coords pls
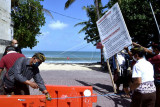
(6, 25)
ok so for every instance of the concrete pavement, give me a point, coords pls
(100, 81)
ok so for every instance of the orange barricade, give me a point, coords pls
(70, 96)
(62, 96)
(22, 101)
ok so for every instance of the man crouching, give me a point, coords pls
(20, 74)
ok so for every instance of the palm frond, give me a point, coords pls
(83, 29)
(47, 12)
(80, 23)
(68, 3)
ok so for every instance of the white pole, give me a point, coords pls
(155, 20)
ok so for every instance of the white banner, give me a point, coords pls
(113, 31)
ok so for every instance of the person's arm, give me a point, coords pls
(48, 96)
(136, 77)
(129, 52)
(31, 84)
(135, 84)
(2, 65)
(38, 79)
(145, 49)
(17, 69)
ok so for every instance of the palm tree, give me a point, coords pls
(96, 2)
(90, 27)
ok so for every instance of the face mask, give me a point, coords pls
(15, 45)
(134, 58)
(36, 64)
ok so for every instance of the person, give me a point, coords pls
(148, 52)
(144, 91)
(14, 43)
(121, 77)
(155, 60)
(20, 74)
(7, 62)
(117, 74)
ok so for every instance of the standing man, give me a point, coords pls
(14, 43)
(155, 60)
(144, 91)
(7, 62)
(20, 74)
(9, 59)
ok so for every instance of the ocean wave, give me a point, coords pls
(68, 58)
(76, 62)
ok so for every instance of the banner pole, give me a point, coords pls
(109, 69)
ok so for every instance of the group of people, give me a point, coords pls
(143, 81)
(19, 72)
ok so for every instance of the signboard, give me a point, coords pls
(113, 31)
(99, 45)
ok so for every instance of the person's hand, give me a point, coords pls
(126, 48)
(135, 44)
(33, 85)
(48, 97)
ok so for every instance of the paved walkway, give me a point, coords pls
(100, 81)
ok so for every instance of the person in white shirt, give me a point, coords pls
(144, 91)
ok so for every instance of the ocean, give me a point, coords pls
(67, 57)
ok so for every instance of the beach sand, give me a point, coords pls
(69, 67)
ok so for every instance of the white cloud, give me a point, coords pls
(57, 25)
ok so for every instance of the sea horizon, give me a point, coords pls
(67, 56)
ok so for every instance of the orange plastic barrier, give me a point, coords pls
(70, 96)
(62, 96)
(22, 101)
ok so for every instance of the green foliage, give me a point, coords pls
(28, 17)
(90, 27)
(139, 19)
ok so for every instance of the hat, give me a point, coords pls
(40, 56)
(137, 49)
(10, 48)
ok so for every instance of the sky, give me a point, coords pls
(59, 33)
